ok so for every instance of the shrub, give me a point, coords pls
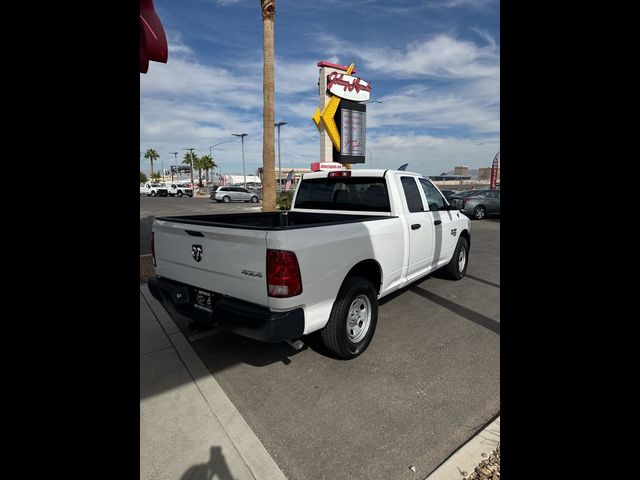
(283, 200)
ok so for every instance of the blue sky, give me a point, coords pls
(434, 65)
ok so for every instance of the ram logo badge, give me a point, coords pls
(196, 252)
(251, 273)
(454, 231)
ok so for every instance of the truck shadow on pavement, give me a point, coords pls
(216, 468)
(471, 315)
(222, 350)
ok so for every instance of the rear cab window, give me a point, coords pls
(363, 194)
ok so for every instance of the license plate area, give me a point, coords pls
(204, 301)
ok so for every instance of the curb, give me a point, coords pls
(255, 456)
(467, 457)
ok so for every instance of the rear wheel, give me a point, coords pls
(479, 212)
(179, 193)
(457, 266)
(153, 194)
(353, 319)
(226, 199)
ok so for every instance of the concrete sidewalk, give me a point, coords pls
(467, 457)
(188, 427)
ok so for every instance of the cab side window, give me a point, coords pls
(412, 194)
(434, 199)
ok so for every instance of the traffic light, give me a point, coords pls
(153, 41)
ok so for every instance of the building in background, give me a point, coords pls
(485, 173)
(464, 171)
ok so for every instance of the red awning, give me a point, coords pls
(153, 41)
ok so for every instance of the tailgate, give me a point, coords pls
(225, 253)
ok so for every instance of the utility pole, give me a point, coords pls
(177, 175)
(242, 135)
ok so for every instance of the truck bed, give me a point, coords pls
(272, 220)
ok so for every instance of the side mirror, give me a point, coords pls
(456, 204)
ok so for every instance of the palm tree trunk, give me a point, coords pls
(268, 148)
(151, 162)
(193, 185)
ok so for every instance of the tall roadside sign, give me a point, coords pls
(341, 117)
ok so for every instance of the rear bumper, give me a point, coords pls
(229, 314)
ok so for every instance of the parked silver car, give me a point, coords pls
(234, 194)
(479, 203)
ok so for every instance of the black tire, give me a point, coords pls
(226, 199)
(479, 212)
(179, 193)
(153, 194)
(452, 270)
(254, 199)
(345, 336)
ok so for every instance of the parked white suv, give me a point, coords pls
(234, 194)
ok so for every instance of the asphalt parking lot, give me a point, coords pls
(427, 383)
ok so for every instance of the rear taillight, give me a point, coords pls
(340, 173)
(283, 274)
(153, 249)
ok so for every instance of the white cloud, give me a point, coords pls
(432, 127)
(431, 155)
(441, 56)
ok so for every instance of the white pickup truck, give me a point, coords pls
(180, 189)
(350, 238)
(154, 190)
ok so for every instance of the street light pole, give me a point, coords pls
(177, 174)
(371, 157)
(242, 135)
(279, 124)
(193, 186)
(211, 155)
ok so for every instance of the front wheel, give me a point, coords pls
(254, 199)
(353, 319)
(179, 193)
(457, 266)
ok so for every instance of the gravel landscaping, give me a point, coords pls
(488, 469)
(146, 268)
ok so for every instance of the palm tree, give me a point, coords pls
(197, 163)
(268, 148)
(208, 163)
(190, 159)
(152, 155)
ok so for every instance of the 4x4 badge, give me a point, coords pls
(196, 252)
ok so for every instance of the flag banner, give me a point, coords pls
(289, 179)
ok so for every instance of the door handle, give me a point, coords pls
(437, 222)
(415, 226)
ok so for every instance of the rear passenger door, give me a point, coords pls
(493, 201)
(235, 193)
(420, 229)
